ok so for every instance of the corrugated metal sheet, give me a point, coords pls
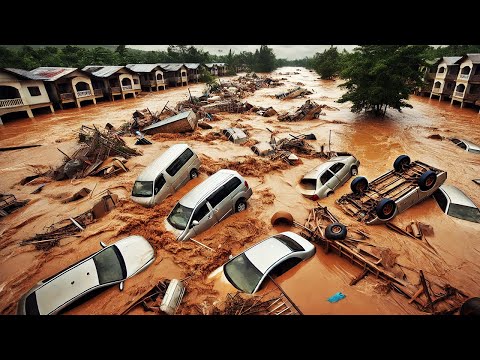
(475, 58)
(171, 66)
(25, 74)
(102, 71)
(52, 73)
(143, 68)
(217, 64)
(192, 65)
(182, 115)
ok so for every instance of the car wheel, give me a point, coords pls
(471, 307)
(193, 174)
(336, 231)
(385, 208)
(427, 180)
(359, 185)
(241, 205)
(354, 171)
(401, 163)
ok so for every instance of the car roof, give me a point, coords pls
(158, 165)
(205, 188)
(267, 252)
(457, 196)
(471, 145)
(66, 286)
(316, 172)
(236, 133)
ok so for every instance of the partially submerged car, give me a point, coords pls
(235, 135)
(165, 175)
(321, 181)
(109, 266)
(466, 145)
(393, 192)
(248, 270)
(219, 196)
(454, 202)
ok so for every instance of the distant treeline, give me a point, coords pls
(28, 58)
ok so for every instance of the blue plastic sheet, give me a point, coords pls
(336, 297)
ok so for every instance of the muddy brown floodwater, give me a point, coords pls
(375, 142)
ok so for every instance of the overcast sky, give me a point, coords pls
(281, 51)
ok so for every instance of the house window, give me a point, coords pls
(441, 70)
(135, 81)
(34, 90)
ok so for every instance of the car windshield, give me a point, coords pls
(179, 216)
(110, 266)
(464, 212)
(309, 184)
(143, 188)
(242, 274)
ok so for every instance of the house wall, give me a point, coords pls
(126, 76)
(79, 79)
(33, 100)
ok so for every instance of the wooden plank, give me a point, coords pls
(425, 288)
(417, 294)
(359, 277)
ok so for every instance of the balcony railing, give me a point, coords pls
(464, 76)
(458, 94)
(126, 87)
(116, 89)
(437, 90)
(6, 103)
(98, 92)
(67, 96)
(84, 93)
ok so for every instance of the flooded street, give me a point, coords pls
(455, 259)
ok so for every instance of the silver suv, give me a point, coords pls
(216, 198)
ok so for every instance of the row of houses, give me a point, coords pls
(56, 87)
(453, 78)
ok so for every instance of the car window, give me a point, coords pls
(284, 266)
(464, 212)
(462, 145)
(232, 184)
(179, 216)
(474, 151)
(289, 242)
(442, 200)
(309, 184)
(179, 162)
(200, 213)
(336, 167)
(217, 197)
(242, 274)
(31, 306)
(159, 182)
(109, 265)
(327, 175)
(142, 188)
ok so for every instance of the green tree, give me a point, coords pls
(327, 64)
(9, 58)
(382, 76)
(264, 59)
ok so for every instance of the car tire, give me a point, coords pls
(385, 209)
(401, 163)
(427, 180)
(359, 185)
(240, 205)
(354, 171)
(193, 174)
(336, 231)
(471, 307)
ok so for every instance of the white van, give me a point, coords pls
(165, 175)
(219, 196)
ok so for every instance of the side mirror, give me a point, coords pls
(102, 244)
(121, 286)
(195, 222)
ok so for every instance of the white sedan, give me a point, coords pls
(247, 270)
(111, 265)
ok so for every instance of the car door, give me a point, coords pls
(220, 201)
(340, 171)
(176, 171)
(204, 215)
(160, 189)
(329, 180)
